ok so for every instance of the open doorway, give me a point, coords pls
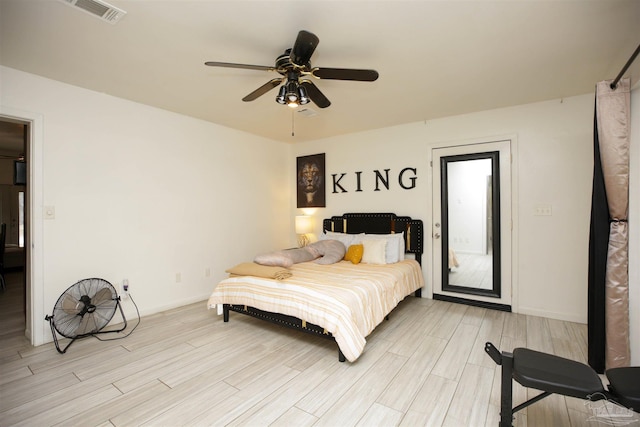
(14, 137)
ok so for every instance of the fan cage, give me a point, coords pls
(84, 309)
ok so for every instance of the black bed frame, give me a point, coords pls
(351, 223)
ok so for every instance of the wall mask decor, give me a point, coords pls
(310, 181)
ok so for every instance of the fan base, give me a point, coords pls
(64, 350)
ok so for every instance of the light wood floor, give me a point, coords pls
(425, 366)
(473, 271)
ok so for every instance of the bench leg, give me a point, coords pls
(506, 394)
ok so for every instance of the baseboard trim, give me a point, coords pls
(575, 318)
(180, 303)
(483, 304)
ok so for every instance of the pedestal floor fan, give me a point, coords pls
(83, 310)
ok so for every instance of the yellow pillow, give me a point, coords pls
(354, 254)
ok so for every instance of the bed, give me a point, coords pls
(342, 301)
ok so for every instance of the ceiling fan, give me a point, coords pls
(295, 67)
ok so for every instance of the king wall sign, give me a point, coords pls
(344, 182)
(311, 181)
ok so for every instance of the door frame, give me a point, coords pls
(494, 157)
(34, 265)
(508, 222)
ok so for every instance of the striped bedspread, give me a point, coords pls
(345, 299)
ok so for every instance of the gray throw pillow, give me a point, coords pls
(329, 251)
(286, 258)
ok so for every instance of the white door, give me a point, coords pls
(472, 224)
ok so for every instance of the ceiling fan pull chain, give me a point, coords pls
(293, 133)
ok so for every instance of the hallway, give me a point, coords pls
(12, 316)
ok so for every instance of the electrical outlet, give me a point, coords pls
(125, 288)
(178, 277)
(207, 272)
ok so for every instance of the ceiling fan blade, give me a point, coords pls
(303, 48)
(262, 90)
(314, 93)
(345, 74)
(244, 66)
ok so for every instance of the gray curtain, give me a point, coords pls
(613, 115)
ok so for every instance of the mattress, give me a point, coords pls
(348, 300)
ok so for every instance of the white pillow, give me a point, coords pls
(346, 239)
(374, 251)
(357, 238)
(394, 251)
(402, 246)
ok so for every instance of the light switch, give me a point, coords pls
(49, 212)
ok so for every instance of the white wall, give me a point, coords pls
(553, 166)
(143, 194)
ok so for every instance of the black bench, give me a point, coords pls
(557, 375)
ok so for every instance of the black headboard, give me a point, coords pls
(380, 223)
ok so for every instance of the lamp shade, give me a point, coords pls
(303, 224)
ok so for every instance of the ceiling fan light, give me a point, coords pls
(280, 99)
(302, 93)
(292, 91)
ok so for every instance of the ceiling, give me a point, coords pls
(435, 58)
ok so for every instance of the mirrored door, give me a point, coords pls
(469, 205)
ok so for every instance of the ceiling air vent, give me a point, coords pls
(307, 112)
(98, 8)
